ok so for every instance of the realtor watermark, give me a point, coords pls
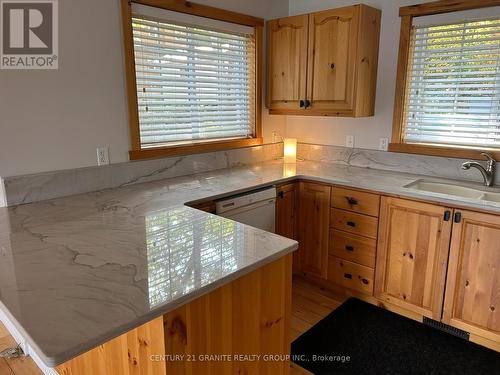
(249, 358)
(29, 34)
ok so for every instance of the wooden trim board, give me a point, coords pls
(136, 150)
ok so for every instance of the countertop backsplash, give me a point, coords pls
(48, 185)
(433, 166)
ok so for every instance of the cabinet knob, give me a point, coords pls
(347, 275)
(351, 224)
(302, 103)
(349, 248)
(307, 103)
(332, 66)
(447, 215)
(352, 201)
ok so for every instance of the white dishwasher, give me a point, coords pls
(255, 208)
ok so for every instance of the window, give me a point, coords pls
(194, 80)
(448, 88)
(454, 84)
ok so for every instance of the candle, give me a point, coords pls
(290, 150)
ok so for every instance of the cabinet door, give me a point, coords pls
(331, 60)
(472, 300)
(412, 254)
(313, 224)
(287, 60)
(286, 203)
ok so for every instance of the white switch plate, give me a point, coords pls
(384, 143)
(102, 156)
(349, 141)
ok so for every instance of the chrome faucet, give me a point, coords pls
(488, 172)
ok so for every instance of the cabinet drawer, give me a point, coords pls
(354, 223)
(355, 201)
(352, 247)
(350, 275)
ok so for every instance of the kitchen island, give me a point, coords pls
(81, 271)
(149, 289)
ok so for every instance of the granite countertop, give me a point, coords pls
(80, 270)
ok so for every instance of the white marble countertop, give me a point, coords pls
(80, 270)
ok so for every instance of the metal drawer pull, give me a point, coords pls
(352, 201)
(349, 248)
(351, 223)
(347, 275)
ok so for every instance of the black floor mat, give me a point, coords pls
(359, 338)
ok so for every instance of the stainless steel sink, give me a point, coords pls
(464, 190)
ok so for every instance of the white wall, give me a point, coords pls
(366, 131)
(53, 120)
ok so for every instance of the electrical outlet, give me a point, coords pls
(277, 138)
(102, 156)
(349, 141)
(383, 145)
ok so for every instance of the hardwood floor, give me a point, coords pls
(15, 366)
(310, 304)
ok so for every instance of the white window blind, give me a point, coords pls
(194, 83)
(453, 90)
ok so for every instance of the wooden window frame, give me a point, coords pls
(181, 6)
(407, 14)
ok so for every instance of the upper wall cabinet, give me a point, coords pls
(287, 51)
(324, 63)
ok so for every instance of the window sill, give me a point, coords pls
(444, 151)
(159, 152)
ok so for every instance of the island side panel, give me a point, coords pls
(127, 354)
(248, 317)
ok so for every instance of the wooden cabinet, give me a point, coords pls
(354, 223)
(313, 224)
(286, 204)
(472, 301)
(354, 248)
(331, 59)
(249, 316)
(350, 275)
(399, 251)
(356, 201)
(353, 238)
(287, 60)
(324, 63)
(412, 254)
(126, 354)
